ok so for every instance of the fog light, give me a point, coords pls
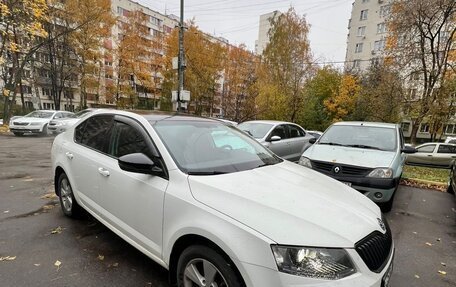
(378, 195)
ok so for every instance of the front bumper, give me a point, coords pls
(371, 186)
(265, 277)
(26, 129)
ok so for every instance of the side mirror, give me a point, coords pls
(312, 140)
(409, 149)
(275, 139)
(138, 163)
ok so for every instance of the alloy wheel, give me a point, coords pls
(202, 273)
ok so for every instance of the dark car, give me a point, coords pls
(452, 181)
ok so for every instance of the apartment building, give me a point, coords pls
(263, 31)
(367, 33)
(36, 80)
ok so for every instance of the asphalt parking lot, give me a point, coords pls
(35, 236)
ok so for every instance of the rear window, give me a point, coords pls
(256, 130)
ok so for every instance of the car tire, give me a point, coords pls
(18, 134)
(387, 206)
(197, 260)
(450, 189)
(66, 197)
(44, 132)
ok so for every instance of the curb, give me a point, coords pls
(426, 184)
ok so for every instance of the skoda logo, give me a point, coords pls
(336, 169)
(382, 224)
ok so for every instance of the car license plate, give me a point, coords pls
(387, 276)
(347, 183)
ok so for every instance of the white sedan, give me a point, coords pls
(57, 126)
(36, 122)
(215, 207)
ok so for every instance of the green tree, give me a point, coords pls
(321, 87)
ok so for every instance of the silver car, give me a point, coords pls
(433, 155)
(287, 140)
(59, 125)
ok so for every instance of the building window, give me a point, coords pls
(405, 127)
(381, 28)
(167, 29)
(45, 73)
(359, 48)
(424, 128)
(361, 31)
(365, 1)
(450, 129)
(155, 21)
(379, 45)
(26, 89)
(356, 64)
(385, 10)
(122, 12)
(363, 15)
(46, 92)
(415, 76)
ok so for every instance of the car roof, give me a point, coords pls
(367, 124)
(156, 116)
(268, 122)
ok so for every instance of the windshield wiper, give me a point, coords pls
(364, 146)
(211, 172)
(330, 143)
(248, 132)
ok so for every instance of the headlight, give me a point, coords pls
(381, 173)
(59, 124)
(36, 124)
(321, 263)
(304, 161)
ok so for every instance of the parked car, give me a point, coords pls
(286, 140)
(452, 181)
(439, 155)
(59, 125)
(215, 214)
(36, 122)
(366, 156)
(451, 140)
(315, 134)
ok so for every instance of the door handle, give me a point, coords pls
(429, 155)
(103, 171)
(69, 155)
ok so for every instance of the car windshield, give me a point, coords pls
(209, 148)
(256, 130)
(378, 138)
(40, 114)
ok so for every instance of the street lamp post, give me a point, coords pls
(181, 60)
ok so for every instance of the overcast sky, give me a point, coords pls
(238, 20)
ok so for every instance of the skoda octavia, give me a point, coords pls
(216, 208)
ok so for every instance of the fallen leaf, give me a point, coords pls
(7, 258)
(37, 264)
(57, 230)
(115, 264)
(49, 196)
(438, 239)
(414, 232)
(429, 244)
(443, 264)
(442, 272)
(417, 276)
(6, 211)
(100, 257)
(47, 207)
(57, 264)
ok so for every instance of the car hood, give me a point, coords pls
(68, 121)
(350, 156)
(291, 205)
(31, 120)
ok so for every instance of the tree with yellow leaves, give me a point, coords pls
(204, 58)
(21, 23)
(421, 45)
(286, 66)
(343, 101)
(136, 59)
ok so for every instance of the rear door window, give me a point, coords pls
(96, 132)
(443, 148)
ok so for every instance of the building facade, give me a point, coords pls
(263, 31)
(366, 33)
